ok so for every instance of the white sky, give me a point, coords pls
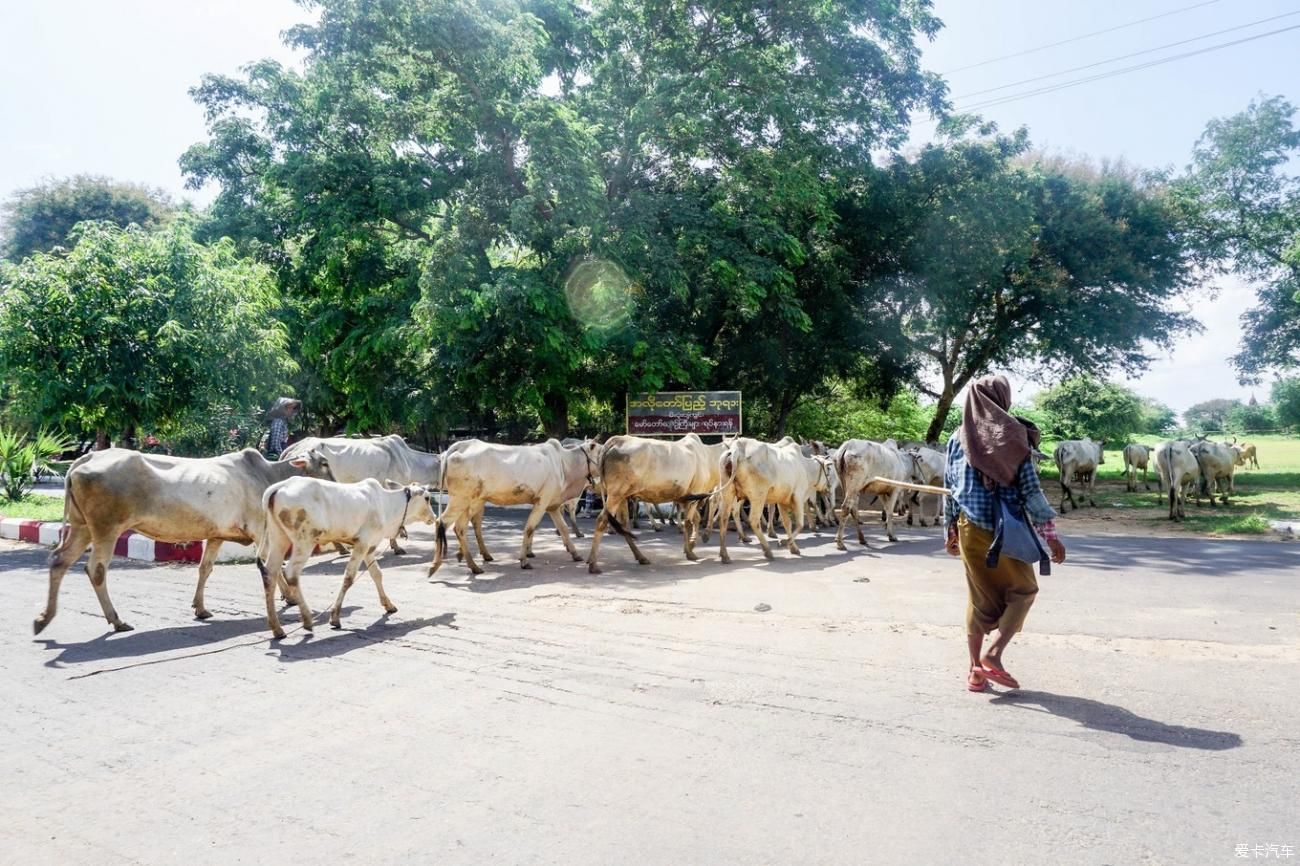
(100, 87)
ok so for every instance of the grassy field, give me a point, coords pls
(33, 506)
(1269, 493)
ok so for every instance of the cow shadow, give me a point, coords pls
(329, 643)
(1112, 719)
(207, 635)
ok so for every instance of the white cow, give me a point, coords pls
(763, 475)
(544, 476)
(1177, 467)
(1218, 462)
(654, 471)
(177, 499)
(927, 468)
(1082, 456)
(304, 512)
(387, 458)
(858, 461)
(1136, 457)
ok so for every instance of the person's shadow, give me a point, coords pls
(1116, 720)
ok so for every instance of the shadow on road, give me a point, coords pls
(198, 634)
(1112, 719)
(329, 643)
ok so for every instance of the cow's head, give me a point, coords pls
(313, 464)
(421, 504)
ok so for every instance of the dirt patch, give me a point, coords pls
(1108, 519)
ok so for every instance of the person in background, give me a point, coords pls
(280, 415)
(991, 450)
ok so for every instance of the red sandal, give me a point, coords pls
(1000, 676)
(982, 685)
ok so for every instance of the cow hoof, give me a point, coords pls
(892, 538)
(796, 551)
(642, 561)
(121, 626)
(530, 556)
(577, 557)
(400, 551)
(839, 545)
(724, 558)
(476, 571)
(39, 625)
(767, 554)
(525, 564)
(278, 634)
(591, 569)
(487, 557)
(692, 557)
(202, 614)
(335, 624)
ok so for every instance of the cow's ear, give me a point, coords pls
(299, 463)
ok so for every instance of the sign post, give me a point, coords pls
(675, 413)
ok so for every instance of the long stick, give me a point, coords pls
(908, 485)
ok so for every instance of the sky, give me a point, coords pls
(101, 88)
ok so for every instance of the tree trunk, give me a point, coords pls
(941, 408)
(555, 415)
(101, 439)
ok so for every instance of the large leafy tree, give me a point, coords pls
(979, 255)
(40, 218)
(130, 327)
(1084, 406)
(488, 204)
(1211, 415)
(1244, 180)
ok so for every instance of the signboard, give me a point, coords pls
(674, 413)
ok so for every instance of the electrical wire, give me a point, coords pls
(1121, 71)
(1081, 37)
(1127, 56)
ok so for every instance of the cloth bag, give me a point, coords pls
(1012, 534)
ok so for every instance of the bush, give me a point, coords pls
(22, 457)
(843, 416)
(1252, 419)
(1086, 407)
(215, 430)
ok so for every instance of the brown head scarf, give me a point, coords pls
(995, 441)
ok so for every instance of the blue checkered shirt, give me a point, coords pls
(970, 497)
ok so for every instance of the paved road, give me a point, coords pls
(651, 715)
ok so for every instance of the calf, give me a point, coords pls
(303, 512)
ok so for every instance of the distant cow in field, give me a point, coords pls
(1218, 462)
(1136, 457)
(1082, 456)
(177, 499)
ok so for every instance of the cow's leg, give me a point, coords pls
(274, 566)
(530, 526)
(757, 507)
(378, 577)
(842, 515)
(462, 521)
(791, 530)
(394, 546)
(101, 552)
(738, 514)
(1068, 493)
(557, 517)
(725, 509)
(292, 573)
(74, 544)
(359, 555)
(570, 513)
(602, 520)
(1092, 487)
(1145, 480)
(890, 502)
(478, 534)
(770, 518)
(690, 529)
(629, 538)
(210, 549)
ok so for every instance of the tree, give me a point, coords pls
(1086, 407)
(1250, 216)
(40, 218)
(1252, 418)
(439, 184)
(978, 257)
(1286, 401)
(1210, 414)
(1157, 418)
(130, 327)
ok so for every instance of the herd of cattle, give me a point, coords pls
(1183, 466)
(355, 493)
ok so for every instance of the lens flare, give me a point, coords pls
(599, 294)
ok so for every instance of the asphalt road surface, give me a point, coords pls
(652, 715)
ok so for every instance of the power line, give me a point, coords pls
(1084, 36)
(1127, 56)
(1121, 71)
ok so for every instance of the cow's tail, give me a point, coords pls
(263, 553)
(616, 526)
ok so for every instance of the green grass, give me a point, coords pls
(33, 506)
(1271, 492)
